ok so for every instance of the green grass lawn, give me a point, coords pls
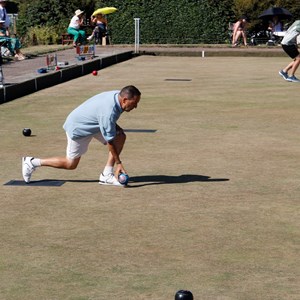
(213, 203)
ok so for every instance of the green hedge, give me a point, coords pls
(170, 22)
(161, 21)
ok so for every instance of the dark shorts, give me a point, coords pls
(291, 50)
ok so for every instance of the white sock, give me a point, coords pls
(36, 162)
(108, 170)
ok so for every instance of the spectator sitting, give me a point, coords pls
(239, 30)
(74, 27)
(101, 26)
(275, 25)
(13, 44)
(275, 29)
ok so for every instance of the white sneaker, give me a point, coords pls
(90, 37)
(109, 179)
(27, 168)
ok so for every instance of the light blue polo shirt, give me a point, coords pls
(99, 113)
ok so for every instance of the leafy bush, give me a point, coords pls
(41, 35)
(40, 13)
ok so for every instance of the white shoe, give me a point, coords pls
(90, 37)
(27, 168)
(109, 179)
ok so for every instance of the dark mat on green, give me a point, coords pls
(178, 79)
(45, 182)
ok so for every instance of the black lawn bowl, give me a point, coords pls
(27, 132)
(184, 295)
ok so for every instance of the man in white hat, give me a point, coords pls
(74, 27)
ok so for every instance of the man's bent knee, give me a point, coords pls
(71, 164)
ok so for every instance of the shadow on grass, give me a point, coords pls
(138, 181)
(166, 179)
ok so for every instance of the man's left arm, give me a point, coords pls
(113, 150)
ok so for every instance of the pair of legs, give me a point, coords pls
(71, 160)
(98, 32)
(288, 73)
(79, 35)
(75, 149)
(237, 36)
(13, 45)
(293, 66)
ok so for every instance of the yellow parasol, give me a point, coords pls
(104, 11)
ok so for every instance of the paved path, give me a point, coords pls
(19, 71)
(22, 78)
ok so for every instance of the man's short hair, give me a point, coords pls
(130, 92)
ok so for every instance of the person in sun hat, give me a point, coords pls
(290, 47)
(74, 27)
(96, 118)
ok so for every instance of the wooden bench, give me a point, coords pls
(66, 38)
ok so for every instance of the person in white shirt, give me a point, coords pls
(74, 27)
